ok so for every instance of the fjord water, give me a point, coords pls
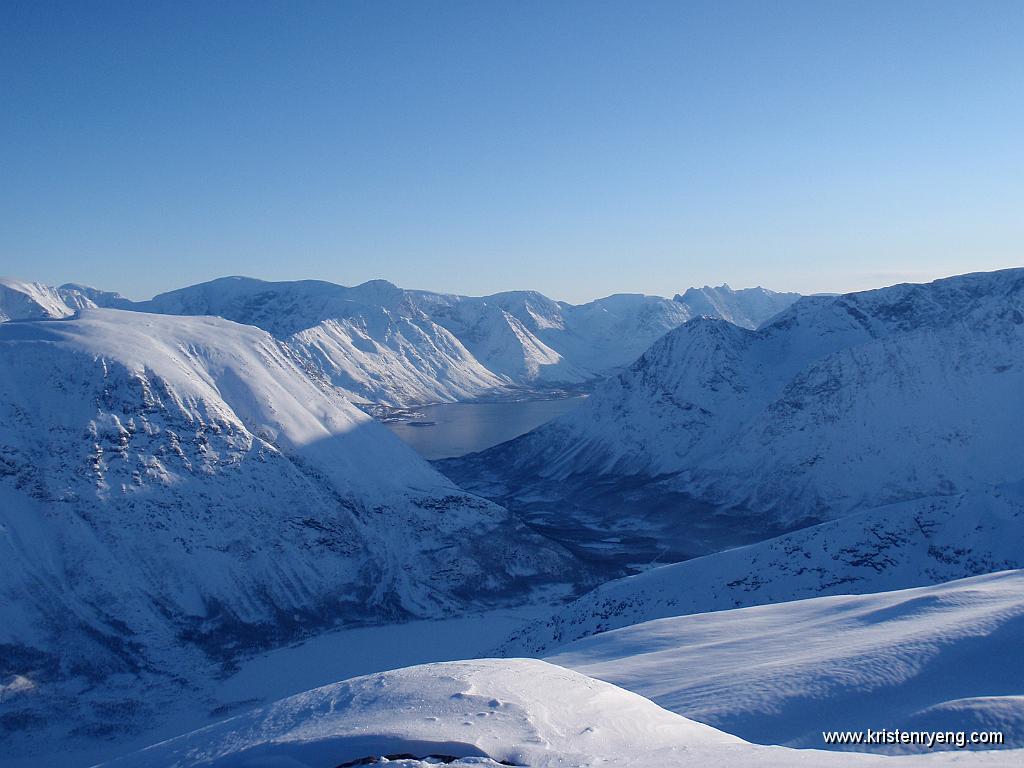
(454, 429)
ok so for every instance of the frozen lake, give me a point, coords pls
(454, 429)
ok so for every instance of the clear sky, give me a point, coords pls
(578, 148)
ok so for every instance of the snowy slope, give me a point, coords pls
(909, 544)
(520, 712)
(840, 404)
(372, 340)
(515, 334)
(935, 658)
(77, 296)
(177, 491)
(30, 301)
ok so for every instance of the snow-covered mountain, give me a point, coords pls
(839, 404)
(488, 713)
(385, 345)
(77, 296)
(20, 300)
(908, 544)
(747, 307)
(30, 301)
(394, 346)
(175, 491)
(942, 658)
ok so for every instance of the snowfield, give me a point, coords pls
(944, 658)
(514, 712)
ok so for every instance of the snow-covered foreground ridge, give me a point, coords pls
(941, 658)
(176, 491)
(519, 712)
(383, 344)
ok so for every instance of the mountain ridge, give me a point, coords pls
(390, 346)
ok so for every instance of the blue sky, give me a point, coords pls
(578, 148)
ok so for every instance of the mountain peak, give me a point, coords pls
(20, 300)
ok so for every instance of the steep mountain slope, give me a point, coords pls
(519, 712)
(175, 491)
(514, 334)
(385, 345)
(938, 658)
(910, 544)
(839, 404)
(372, 341)
(748, 308)
(77, 296)
(30, 301)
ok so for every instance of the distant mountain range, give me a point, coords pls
(386, 345)
(719, 435)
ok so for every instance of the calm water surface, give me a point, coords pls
(461, 428)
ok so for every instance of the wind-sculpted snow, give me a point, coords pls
(482, 713)
(385, 345)
(839, 404)
(178, 491)
(941, 658)
(909, 544)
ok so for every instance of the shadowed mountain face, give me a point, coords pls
(175, 492)
(839, 404)
(909, 544)
(385, 345)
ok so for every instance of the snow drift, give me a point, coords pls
(934, 658)
(488, 712)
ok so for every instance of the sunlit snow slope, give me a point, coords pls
(935, 658)
(519, 712)
(30, 301)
